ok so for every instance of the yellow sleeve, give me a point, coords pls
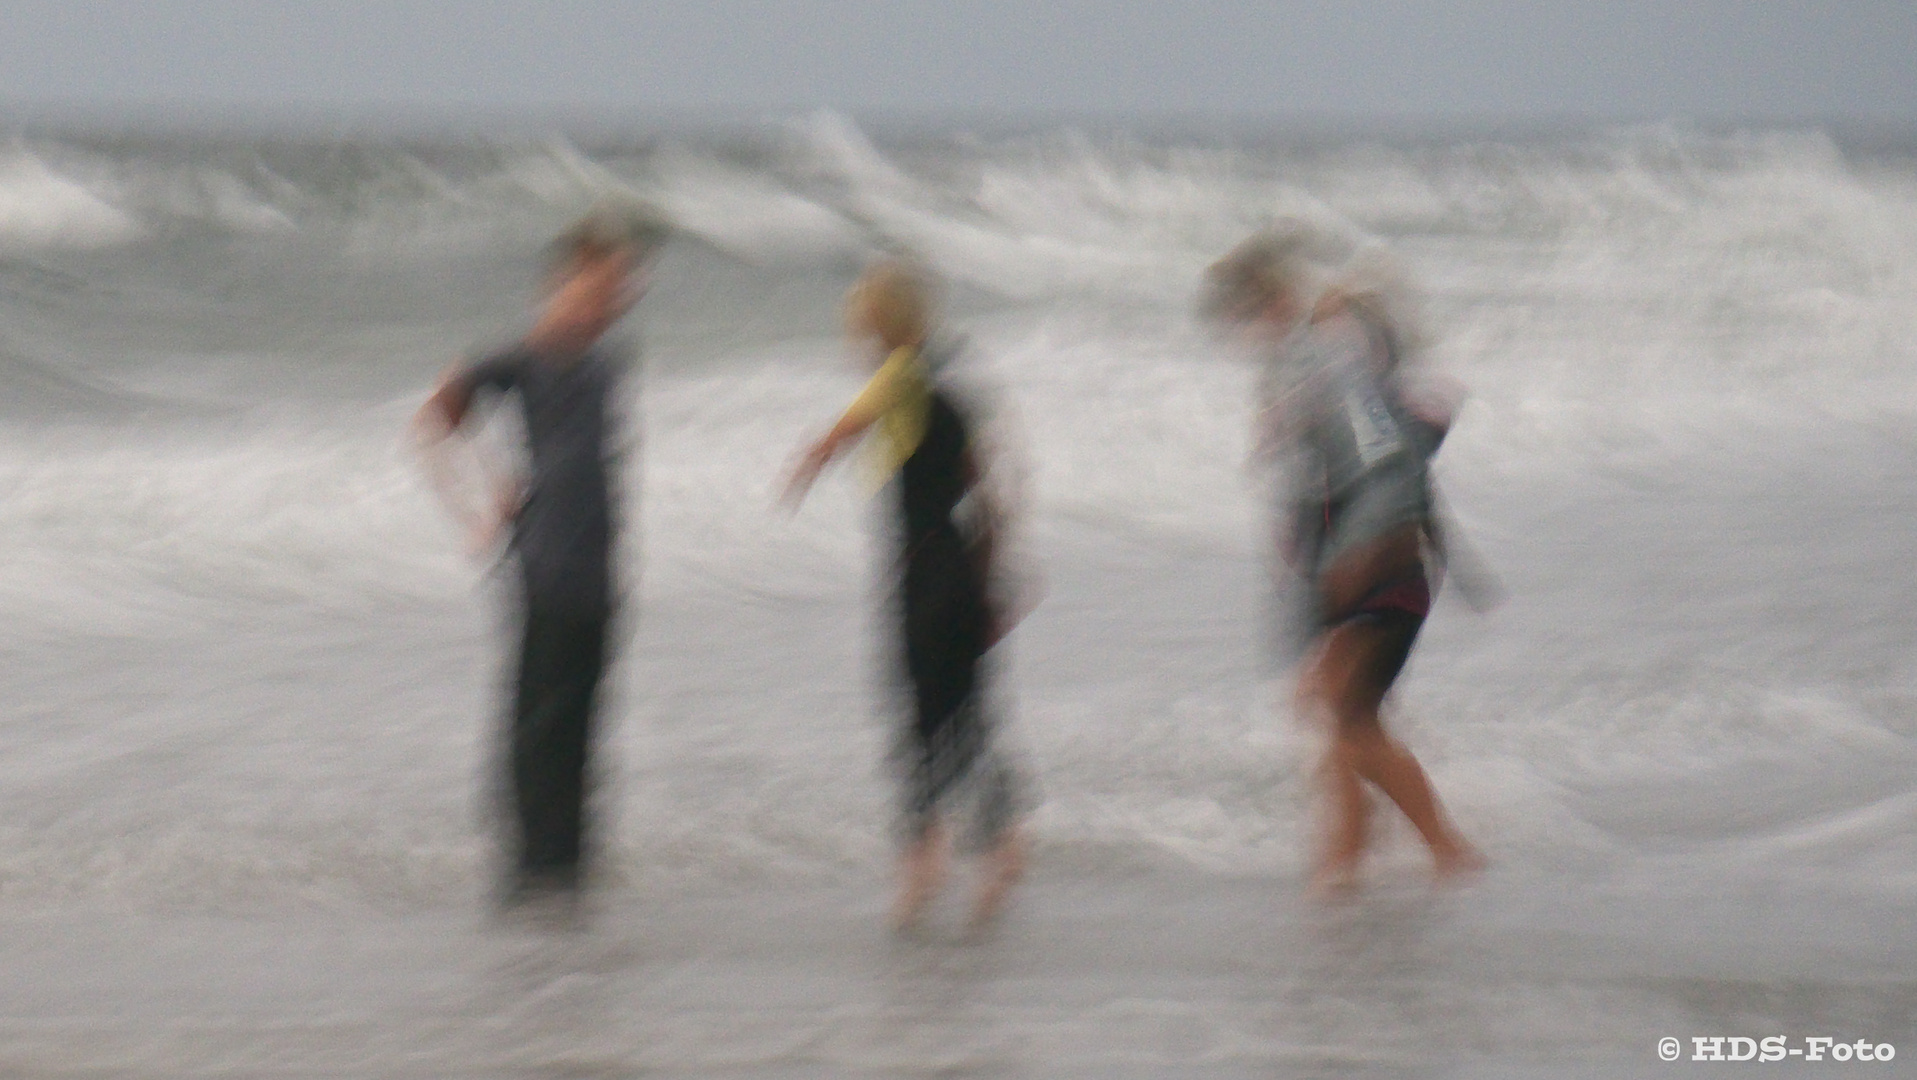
(896, 401)
(883, 392)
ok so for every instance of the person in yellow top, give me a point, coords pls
(885, 311)
(896, 401)
(925, 442)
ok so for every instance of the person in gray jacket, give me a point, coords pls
(1362, 522)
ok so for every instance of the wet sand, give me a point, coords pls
(1157, 973)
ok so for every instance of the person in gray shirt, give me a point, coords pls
(563, 522)
(1365, 525)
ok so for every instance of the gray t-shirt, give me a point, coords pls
(564, 529)
(1359, 458)
(1339, 405)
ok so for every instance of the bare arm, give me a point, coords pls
(849, 429)
(879, 395)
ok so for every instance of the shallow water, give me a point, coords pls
(244, 807)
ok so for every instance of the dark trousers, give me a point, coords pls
(561, 658)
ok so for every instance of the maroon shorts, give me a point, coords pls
(1397, 609)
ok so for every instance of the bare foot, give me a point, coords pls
(908, 909)
(1004, 865)
(1458, 865)
(915, 895)
(1334, 882)
(922, 869)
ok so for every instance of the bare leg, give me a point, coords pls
(921, 870)
(1346, 812)
(1346, 830)
(1335, 871)
(1361, 750)
(1384, 761)
(1003, 866)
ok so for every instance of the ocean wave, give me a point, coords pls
(40, 207)
(1027, 215)
(36, 393)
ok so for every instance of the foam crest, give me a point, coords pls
(172, 518)
(749, 213)
(40, 207)
(1692, 377)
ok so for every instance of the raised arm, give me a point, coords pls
(885, 390)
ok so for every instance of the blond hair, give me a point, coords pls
(893, 300)
(1257, 271)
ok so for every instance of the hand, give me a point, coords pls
(803, 474)
(1008, 611)
(1436, 399)
(440, 414)
(483, 538)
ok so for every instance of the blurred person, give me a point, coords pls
(563, 523)
(949, 526)
(1361, 524)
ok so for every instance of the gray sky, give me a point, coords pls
(1701, 59)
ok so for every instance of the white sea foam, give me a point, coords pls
(41, 207)
(1691, 379)
(248, 763)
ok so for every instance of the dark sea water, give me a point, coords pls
(251, 676)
